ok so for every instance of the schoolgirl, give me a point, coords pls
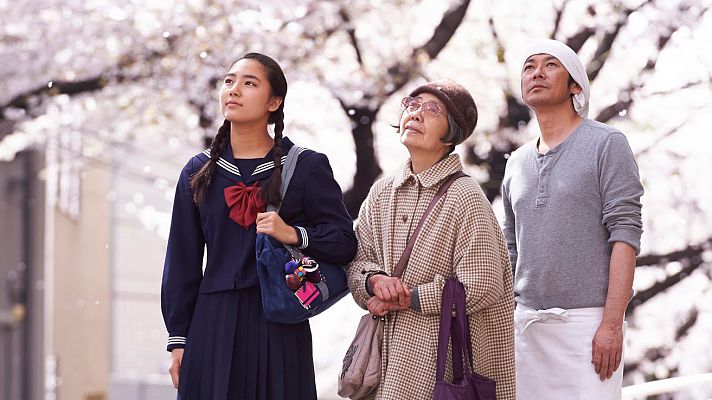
(222, 345)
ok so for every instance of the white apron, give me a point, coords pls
(553, 355)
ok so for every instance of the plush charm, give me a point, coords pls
(290, 266)
(302, 277)
(293, 281)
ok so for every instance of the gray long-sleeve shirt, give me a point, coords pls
(564, 210)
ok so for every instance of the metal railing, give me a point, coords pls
(670, 385)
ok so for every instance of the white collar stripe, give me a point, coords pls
(226, 165)
(264, 167)
(270, 164)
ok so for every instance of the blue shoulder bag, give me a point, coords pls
(295, 287)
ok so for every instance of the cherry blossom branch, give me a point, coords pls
(557, 19)
(363, 116)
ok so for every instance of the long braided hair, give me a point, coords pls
(270, 192)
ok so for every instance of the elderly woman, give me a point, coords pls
(460, 238)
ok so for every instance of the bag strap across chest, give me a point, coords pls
(403, 262)
(290, 165)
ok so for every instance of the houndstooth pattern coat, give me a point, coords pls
(461, 238)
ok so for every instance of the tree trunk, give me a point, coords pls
(367, 168)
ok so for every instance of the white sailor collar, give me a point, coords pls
(227, 166)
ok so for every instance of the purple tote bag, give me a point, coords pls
(466, 385)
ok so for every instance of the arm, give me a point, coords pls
(509, 231)
(620, 193)
(479, 260)
(366, 262)
(330, 235)
(608, 340)
(620, 283)
(182, 270)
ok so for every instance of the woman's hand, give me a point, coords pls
(174, 369)
(270, 223)
(380, 308)
(390, 289)
(377, 307)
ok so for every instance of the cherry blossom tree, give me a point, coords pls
(134, 85)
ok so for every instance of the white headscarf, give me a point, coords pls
(572, 63)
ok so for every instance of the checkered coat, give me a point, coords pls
(460, 238)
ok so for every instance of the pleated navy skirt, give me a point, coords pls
(234, 352)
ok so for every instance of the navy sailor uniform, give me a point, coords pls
(231, 350)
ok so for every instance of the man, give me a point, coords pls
(573, 227)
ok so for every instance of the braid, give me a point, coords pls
(200, 181)
(277, 118)
(272, 189)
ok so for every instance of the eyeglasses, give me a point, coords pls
(430, 109)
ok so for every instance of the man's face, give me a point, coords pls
(545, 83)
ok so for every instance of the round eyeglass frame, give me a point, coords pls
(430, 109)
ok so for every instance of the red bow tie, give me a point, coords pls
(244, 203)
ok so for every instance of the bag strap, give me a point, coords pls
(455, 328)
(463, 327)
(458, 371)
(405, 257)
(290, 165)
(445, 331)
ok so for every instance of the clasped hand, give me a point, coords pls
(389, 294)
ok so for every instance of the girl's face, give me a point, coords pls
(423, 123)
(245, 94)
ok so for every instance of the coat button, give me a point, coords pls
(405, 218)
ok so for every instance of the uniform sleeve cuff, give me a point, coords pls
(302, 237)
(176, 342)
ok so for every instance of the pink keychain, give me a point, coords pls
(307, 294)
